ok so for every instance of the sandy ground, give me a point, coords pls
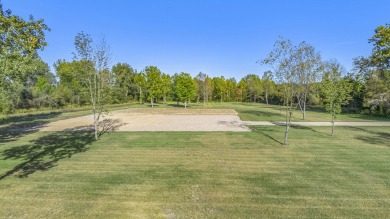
(177, 120)
(158, 120)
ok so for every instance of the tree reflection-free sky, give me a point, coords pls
(217, 37)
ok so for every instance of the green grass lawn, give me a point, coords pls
(263, 112)
(197, 175)
(246, 111)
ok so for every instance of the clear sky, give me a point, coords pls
(217, 37)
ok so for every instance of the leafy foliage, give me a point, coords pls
(154, 83)
(185, 88)
(20, 64)
(334, 89)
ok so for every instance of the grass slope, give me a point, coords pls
(197, 175)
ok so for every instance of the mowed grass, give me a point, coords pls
(198, 174)
(274, 113)
(246, 112)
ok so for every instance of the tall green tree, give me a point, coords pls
(376, 71)
(208, 86)
(254, 87)
(123, 76)
(185, 88)
(380, 56)
(204, 90)
(242, 90)
(154, 83)
(41, 93)
(219, 88)
(231, 86)
(140, 84)
(20, 41)
(73, 76)
(268, 84)
(165, 87)
(334, 90)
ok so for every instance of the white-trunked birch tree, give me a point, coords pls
(284, 63)
(97, 78)
(309, 71)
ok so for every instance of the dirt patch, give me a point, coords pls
(160, 120)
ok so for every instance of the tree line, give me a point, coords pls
(298, 77)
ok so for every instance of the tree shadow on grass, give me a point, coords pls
(180, 105)
(299, 127)
(15, 127)
(264, 130)
(261, 114)
(109, 125)
(376, 137)
(43, 153)
(28, 118)
(177, 105)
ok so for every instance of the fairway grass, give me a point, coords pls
(277, 113)
(198, 174)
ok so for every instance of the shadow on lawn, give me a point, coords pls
(300, 127)
(261, 113)
(177, 105)
(44, 153)
(264, 130)
(376, 137)
(18, 126)
(109, 125)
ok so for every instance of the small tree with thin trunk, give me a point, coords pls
(97, 74)
(284, 63)
(334, 90)
(308, 71)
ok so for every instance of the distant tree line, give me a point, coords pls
(298, 77)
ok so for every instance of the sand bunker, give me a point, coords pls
(159, 120)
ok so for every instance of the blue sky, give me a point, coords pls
(217, 37)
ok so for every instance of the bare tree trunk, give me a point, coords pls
(151, 101)
(332, 122)
(95, 116)
(286, 131)
(185, 104)
(288, 122)
(96, 126)
(302, 105)
(204, 96)
(140, 95)
(227, 96)
(165, 99)
(266, 96)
